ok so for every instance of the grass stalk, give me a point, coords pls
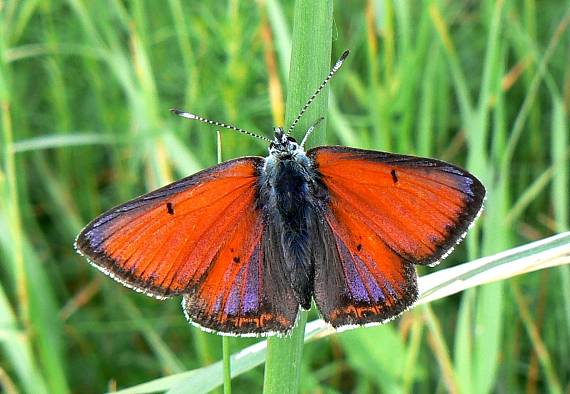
(554, 385)
(17, 344)
(440, 350)
(310, 63)
(227, 365)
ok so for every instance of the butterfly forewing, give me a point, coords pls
(419, 207)
(386, 212)
(199, 236)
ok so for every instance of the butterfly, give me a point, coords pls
(250, 241)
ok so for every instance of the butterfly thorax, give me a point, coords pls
(287, 186)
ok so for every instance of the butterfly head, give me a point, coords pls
(284, 146)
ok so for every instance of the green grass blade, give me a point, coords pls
(366, 352)
(167, 358)
(281, 33)
(554, 386)
(559, 148)
(463, 346)
(310, 63)
(227, 365)
(17, 350)
(561, 193)
(19, 353)
(61, 141)
(459, 79)
(518, 126)
(440, 350)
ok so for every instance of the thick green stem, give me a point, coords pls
(227, 365)
(310, 63)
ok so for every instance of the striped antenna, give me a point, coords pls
(311, 129)
(188, 115)
(335, 68)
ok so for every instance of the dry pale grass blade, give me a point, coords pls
(549, 252)
(546, 253)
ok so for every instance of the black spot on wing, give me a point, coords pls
(394, 176)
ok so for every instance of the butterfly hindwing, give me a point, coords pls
(361, 281)
(386, 212)
(247, 296)
(202, 236)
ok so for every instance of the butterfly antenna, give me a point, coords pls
(333, 71)
(311, 129)
(188, 115)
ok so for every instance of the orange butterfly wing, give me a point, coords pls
(204, 237)
(386, 212)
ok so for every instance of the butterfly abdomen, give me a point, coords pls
(291, 211)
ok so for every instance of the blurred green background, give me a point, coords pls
(85, 89)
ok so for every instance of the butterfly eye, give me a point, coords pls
(294, 147)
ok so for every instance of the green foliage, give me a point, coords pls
(85, 89)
